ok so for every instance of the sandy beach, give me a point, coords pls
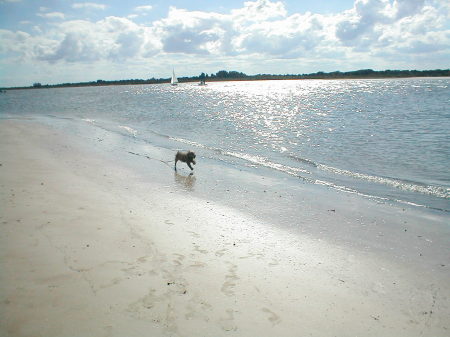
(91, 246)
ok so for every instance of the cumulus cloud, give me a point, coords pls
(404, 8)
(9, 40)
(291, 37)
(88, 5)
(112, 38)
(52, 15)
(260, 10)
(366, 20)
(194, 32)
(261, 29)
(143, 8)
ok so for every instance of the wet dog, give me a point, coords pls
(187, 157)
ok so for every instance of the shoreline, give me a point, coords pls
(249, 78)
(135, 249)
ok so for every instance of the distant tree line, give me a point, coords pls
(224, 75)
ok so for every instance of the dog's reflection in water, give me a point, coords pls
(187, 182)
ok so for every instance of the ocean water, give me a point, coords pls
(385, 139)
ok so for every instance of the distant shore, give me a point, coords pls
(238, 76)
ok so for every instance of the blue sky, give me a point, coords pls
(57, 41)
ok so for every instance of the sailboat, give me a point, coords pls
(174, 79)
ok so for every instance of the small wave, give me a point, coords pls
(302, 160)
(267, 163)
(189, 142)
(60, 117)
(131, 131)
(258, 160)
(92, 121)
(374, 197)
(347, 189)
(436, 191)
(409, 186)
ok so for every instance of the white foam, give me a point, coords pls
(92, 121)
(181, 140)
(259, 160)
(403, 185)
(129, 130)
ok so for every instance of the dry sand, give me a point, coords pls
(89, 248)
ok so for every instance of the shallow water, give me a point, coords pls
(383, 139)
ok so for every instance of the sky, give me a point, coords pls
(60, 41)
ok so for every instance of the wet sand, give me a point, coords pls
(91, 247)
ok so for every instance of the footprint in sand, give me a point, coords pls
(142, 259)
(227, 323)
(274, 262)
(197, 249)
(230, 280)
(179, 259)
(194, 235)
(273, 317)
(221, 252)
(198, 264)
(108, 330)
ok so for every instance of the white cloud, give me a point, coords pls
(143, 8)
(365, 22)
(370, 33)
(259, 10)
(112, 38)
(404, 8)
(290, 37)
(88, 5)
(18, 44)
(194, 32)
(52, 15)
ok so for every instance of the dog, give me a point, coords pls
(187, 157)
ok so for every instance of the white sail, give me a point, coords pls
(174, 80)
